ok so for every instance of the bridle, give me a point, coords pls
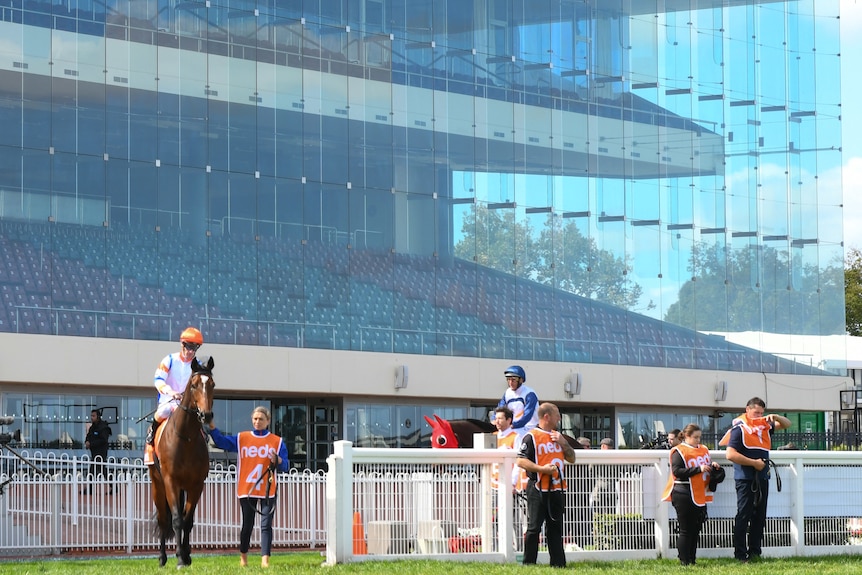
(203, 417)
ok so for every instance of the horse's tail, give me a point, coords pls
(167, 531)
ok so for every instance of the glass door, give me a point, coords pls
(308, 427)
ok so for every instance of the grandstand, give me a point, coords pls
(321, 295)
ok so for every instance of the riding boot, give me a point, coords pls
(149, 448)
(151, 432)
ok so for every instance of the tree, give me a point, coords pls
(572, 262)
(561, 256)
(853, 292)
(758, 288)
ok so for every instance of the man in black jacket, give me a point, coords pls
(97, 442)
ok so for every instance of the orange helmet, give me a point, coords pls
(193, 335)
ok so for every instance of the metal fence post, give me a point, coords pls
(130, 512)
(662, 512)
(797, 506)
(339, 504)
(56, 512)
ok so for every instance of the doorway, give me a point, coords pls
(308, 428)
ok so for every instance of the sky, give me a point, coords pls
(851, 114)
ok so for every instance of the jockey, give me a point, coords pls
(171, 379)
(521, 399)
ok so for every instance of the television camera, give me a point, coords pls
(5, 440)
(659, 442)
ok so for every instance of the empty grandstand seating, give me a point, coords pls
(79, 281)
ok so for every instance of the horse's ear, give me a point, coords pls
(210, 364)
(431, 422)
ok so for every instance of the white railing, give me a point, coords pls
(394, 503)
(71, 509)
(389, 503)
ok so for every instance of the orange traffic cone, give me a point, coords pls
(359, 545)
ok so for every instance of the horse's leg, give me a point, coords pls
(163, 551)
(163, 516)
(192, 499)
(180, 528)
(174, 506)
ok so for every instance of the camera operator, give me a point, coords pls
(674, 438)
(660, 442)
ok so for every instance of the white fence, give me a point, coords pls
(384, 503)
(70, 509)
(396, 503)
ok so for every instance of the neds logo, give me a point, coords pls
(548, 447)
(698, 461)
(255, 451)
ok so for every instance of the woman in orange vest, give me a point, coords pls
(687, 490)
(259, 454)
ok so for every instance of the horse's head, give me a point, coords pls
(442, 436)
(198, 397)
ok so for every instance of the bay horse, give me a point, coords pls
(182, 463)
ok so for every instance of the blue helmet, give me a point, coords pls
(516, 370)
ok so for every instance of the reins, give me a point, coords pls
(755, 485)
(270, 475)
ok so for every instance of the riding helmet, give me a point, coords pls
(193, 335)
(516, 370)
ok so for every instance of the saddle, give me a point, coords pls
(151, 454)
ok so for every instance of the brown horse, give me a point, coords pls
(182, 463)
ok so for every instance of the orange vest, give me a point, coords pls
(519, 479)
(254, 459)
(548, 451)
(693, 457)
(755, 432)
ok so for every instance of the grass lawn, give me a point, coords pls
(310, 562)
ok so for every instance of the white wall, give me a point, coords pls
(48, 361)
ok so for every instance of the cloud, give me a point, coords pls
(851, 20)
(851, 115)
(852, 180)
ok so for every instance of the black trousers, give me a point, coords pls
(249, 507)
(97, 467)
(751, 499)
(545, 508)
(691, 518)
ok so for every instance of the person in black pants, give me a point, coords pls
(97, 442)
(688, 490)
(543, 453)
(748, 443)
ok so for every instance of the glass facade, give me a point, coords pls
(560, 180)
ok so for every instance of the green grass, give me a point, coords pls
(310, 562)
